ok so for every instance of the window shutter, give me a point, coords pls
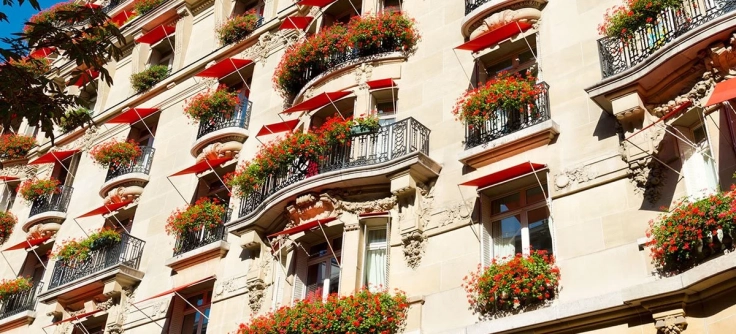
(485, 244)
(300, 276)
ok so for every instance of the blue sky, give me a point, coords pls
(17, 15)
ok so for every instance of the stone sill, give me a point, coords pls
(214, 250)
(511, 144)
(17, 320)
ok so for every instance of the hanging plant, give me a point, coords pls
(142, 7)
(75, 118)
(362, 312)
(78, 250)
(148, 78)
(206, 213)
(7, 224)
(238, 27)
(621, 21)
(12, 286)
(13, 146)
(116, 154)
(208, 105)
(511, 92)
(31, 190)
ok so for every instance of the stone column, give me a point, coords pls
(351, 252)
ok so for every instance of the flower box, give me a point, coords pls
(211, 104)
(12, 286)
(73, 249)
(7, 224)
(116, 154)
(145, 80)
(238, 28)
(142, 7)
(206, 213)
(621, 21)
(508, 92)
(31, 190)
(13, 146)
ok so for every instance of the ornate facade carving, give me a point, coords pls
(506, 16)
(673, 322)
(648, 178)
(312, 206)
(570, 177)
(720, 59)
(363, 73)
(699, 90)
(46, 229)
(24, 171)
(124, 193)
(256, 290)
(383, 204)
(218, 150)
(87, 140)
(413, 244)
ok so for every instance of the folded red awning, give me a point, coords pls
(296, 22)
(316, 3)
(382, 83)
(303, 227)
(87, 77)
(8, 178)
(318, 101)
(27, 243)
(373, 214)
(42, 52)
(156, 34)
(105, 208)
(202, 166)
(495, 36)
(177, 289)
(504, 175)
(724, 91)
(74, 317)
(278, 128)
(122, 17)
(53, 157)
(133, 115)
(666, 116)
(224, 67)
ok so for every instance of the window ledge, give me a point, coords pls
(215, 250)
(17, 320)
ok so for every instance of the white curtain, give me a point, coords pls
(699, 171)
(506, 234)
(375, 259)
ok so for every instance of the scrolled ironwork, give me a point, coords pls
(471, 5)
(240, 118)
(141, 164)
(58, 201)
(19, 302)
(196, 239)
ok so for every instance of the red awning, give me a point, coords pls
(318, 101)
(303, 227)
(105, 208)
(373, 214)
(504, 175)
(724, 91)
(296, 22)
(122, 17)
(74, 317)
(278, 128)
(383, 83)
(495, 36)
(156, 34)
(133, 115)
(87, 77)
(668, 115)
(42, 52)
(202, 166)
(92, 5)
(224, 67)
(316, 3)
(177, 289)
(53, 157)
(27, 243)
(8, 178)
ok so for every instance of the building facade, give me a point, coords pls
(621, 128)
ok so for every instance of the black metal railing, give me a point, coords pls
(58, 201)
(141, 164)
(19, 302)
(387, 143)
(196, 239)
(619, 54)
(110, 6)
(127, 252)
(471, 5)
(238, 119)
(506, 122)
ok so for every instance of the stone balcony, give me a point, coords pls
(51, 208)
(230, 130)
(200, 246)
(135, 174)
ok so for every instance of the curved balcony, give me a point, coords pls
(196, 239)
(482, 15)
(50, 207)
(136, 172)
(19, 302)
(234, 127)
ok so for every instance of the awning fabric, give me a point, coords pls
(105, 208)
(373, 214)
(296, 22)
(724, 91)
(668, 115)
(318, 101)
(495, 36)
(27, 243)
(303, 227)
(504, 175)
(122, 17)
(202, 166)
(278, 128)
(133, 115)
(156, 34)
(316, 3)
(176, 289)
(92, 5)
(8, 178)
(76, 317)
(42, 52)
(224, 67)
(87, 77)
(53, 157)
(382, 83)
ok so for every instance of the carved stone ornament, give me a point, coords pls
(228, 149)
(648, 178)
(20, 171)
(671, 323)
(379, 205)
(498, 19)
(256, 290)
(570, 177)
(721, 60)
(363, 73)
(47, 229)
(312, 206)
(413, 244)
(700, 90)
(86, 142)
(124, 193)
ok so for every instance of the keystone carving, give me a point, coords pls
(363, 73)
(498, 19)
(43, 230)
(647, 176)
(673, 322)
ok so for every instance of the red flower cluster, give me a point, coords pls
(363, 312)
(36, 66)
(142, 7)
(363, 35)
(237, 28)
(7, 223)
(621, 21)
(13, 146)
(52, 14)
(31, 190)
(206, 213)
(681, 238)
(116, 154)
(512, 284)
(12, 286)
(73, 249)
(504, 92)
(210, 104)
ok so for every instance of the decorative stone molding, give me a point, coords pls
(363, 73)
(312, 206)
(124, 193)
(87, 140)
(383, 204)
(46, 229)
(196, 10)
(671, 322)
(256, 290)
(720, 59)
(647, 176)
(413, 244)
(20, 171)
(573, 176)
(230, 286)
(352, 227)
(229, 149)
(498, 19)
(503, 12)
(700, 90)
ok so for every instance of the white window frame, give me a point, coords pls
(366, 247)
(327, 258)
(704, 146)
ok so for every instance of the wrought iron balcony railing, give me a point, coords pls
(387, 143)
(620, 54)
(471, 5)
(196, 239)
(19, 302)
(141, 164)
(127, 252)
(239, 119)
(54, 202)
(506, 122)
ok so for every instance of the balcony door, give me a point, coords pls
(698, 165)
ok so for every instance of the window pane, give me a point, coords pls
(507, 237)
(376, 237)
(510, 202)
(189, 325)
(316, 275)
(337, 244)
(540, 237)
(205, 321)
(334, 276)
(535, 195)
(318, 250)
(375, 268)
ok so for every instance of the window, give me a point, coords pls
(162, 53)
(33, 267)
(698, 165)
(65, 171)
(391, 5)
(8, 196)
(375, 261)
(323, 272)
(518, 62)
(193, 322)
(88, 94)
(245, 6)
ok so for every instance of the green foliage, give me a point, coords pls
(73, 249)
(75, 118)
(145, 80)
